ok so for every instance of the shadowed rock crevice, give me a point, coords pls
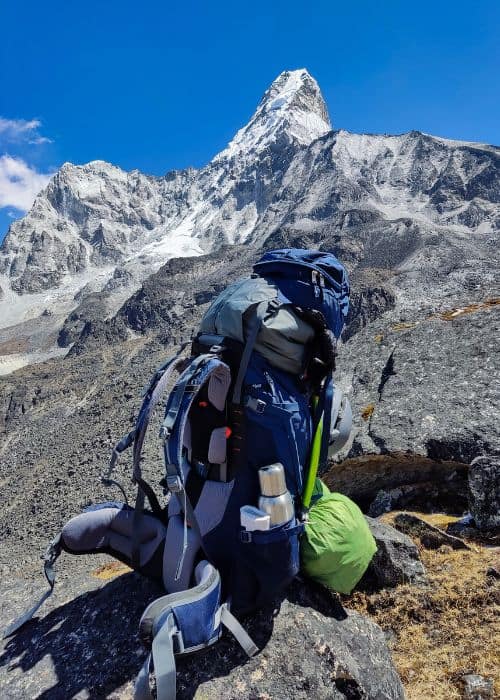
(412, 478)
(387, 372)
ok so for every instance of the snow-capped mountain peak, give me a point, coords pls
(292, 110)
(285, 176)
(296, 90)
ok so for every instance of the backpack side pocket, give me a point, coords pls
(266, 562)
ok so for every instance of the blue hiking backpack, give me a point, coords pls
(257, 384)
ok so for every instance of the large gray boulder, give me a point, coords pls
(85, 646)
(421, 387)
(396, 560)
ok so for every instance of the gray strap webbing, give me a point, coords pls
(163, 659)
(142, 691)
(258, 315)
(50, 556)
(124, 444)
(237, 630)
(140, 434)
(189, 515)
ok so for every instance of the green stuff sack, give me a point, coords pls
(337, 544)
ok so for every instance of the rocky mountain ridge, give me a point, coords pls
(407, 200)
(95, 217)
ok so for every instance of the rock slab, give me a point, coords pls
(477, 688)
(85, 645)
(430, 536)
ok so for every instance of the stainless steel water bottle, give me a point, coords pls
(275, 499)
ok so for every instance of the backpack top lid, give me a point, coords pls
(311, 279)
(332, 270)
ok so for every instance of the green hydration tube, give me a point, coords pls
(314, 461)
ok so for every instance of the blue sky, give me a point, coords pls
(157, 85)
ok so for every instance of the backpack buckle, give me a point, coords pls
(246, 536)
(177, 642)
(255, 405)
(165, 433)
(174, 483)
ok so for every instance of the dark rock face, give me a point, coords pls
(484, 491)
(73, 651)
(400, 480)
(371, 297)
(169, 299)
(396, 560)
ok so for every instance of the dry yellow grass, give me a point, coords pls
(451, 314)
(444, 630)
(111, 570)
(367, 411)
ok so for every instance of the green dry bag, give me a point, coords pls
(337, 544)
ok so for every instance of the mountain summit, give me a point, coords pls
(291, 110)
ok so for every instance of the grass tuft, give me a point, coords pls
(444, 630)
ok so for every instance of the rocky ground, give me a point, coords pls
(421, 373)
(74, 652)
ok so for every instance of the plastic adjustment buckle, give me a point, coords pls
(256, 405)
(174, 483)
(216, 349)
(165, 433)
(246, 536)
(178, 642)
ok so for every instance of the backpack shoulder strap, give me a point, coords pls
(151, 396)
(194, 377)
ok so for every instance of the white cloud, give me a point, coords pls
(16, 130)
(37, 140)
(18, 126)
(19, 183)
